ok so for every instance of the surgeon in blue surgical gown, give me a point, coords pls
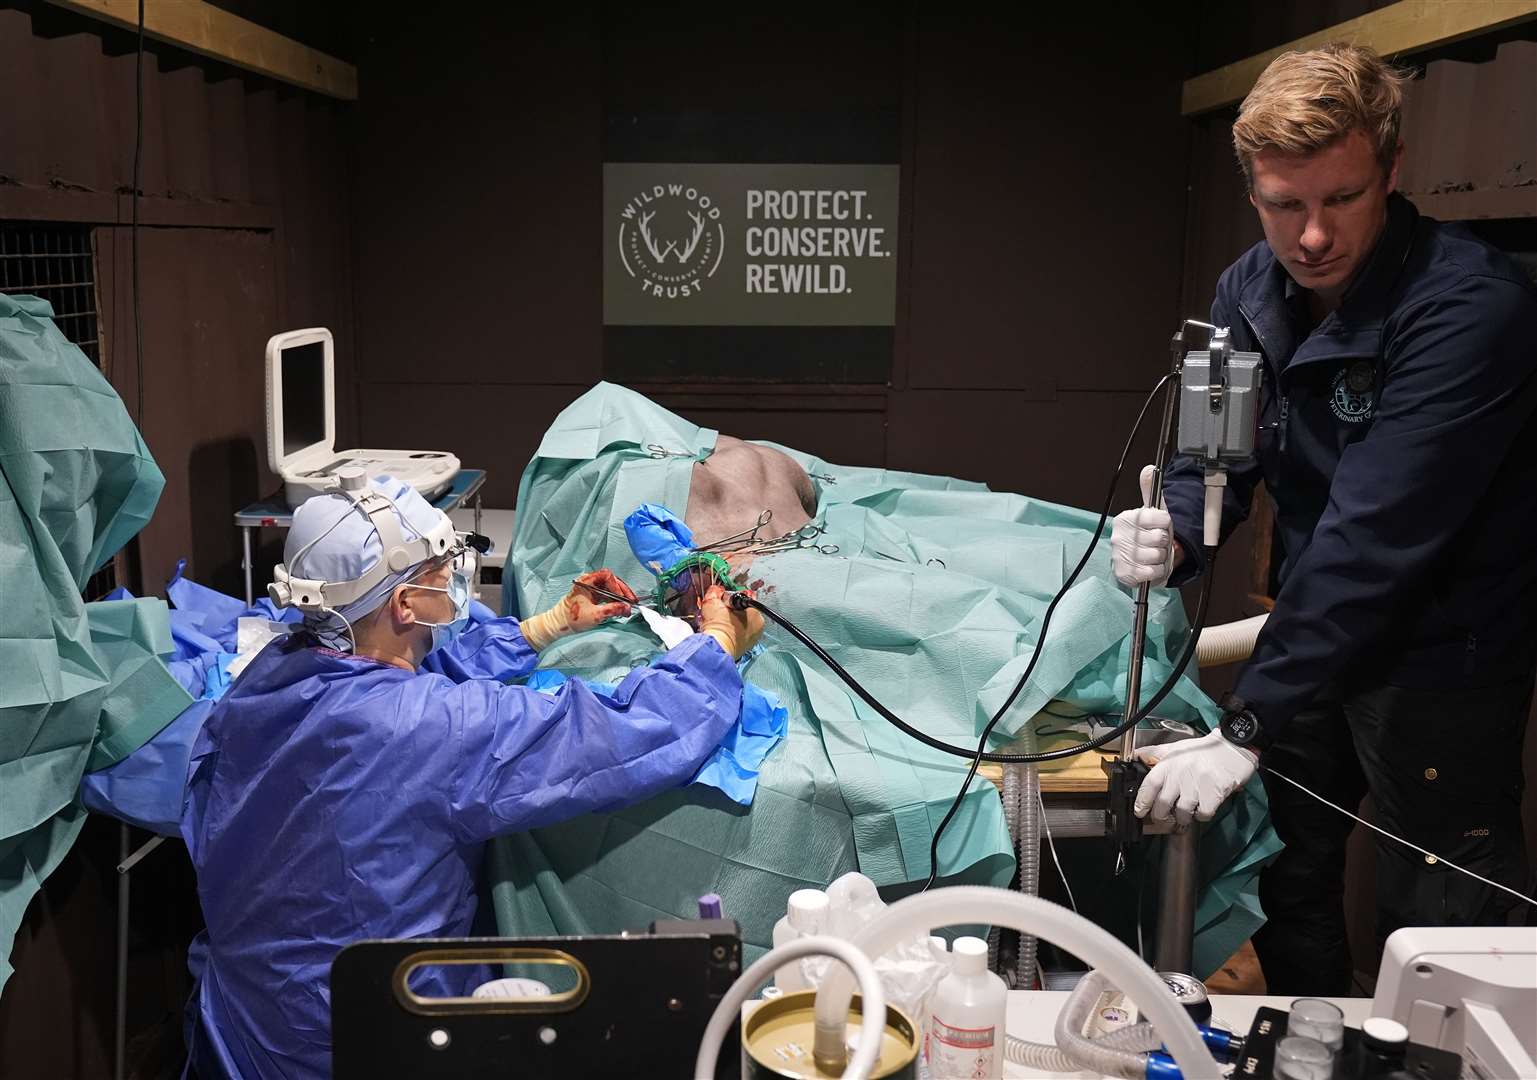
(346, 785)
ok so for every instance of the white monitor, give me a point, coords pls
(301, 425)
(301, 402)
(1471, 990)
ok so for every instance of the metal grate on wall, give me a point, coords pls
(55, 261)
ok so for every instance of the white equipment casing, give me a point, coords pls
(302, 450)
(1470, 990)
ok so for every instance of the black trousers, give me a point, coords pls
(1443, 770)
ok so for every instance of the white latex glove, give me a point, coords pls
(1142, 540)
(1192, 777)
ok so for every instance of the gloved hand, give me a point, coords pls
(737, 631)
(579, 609)
(1192, 777)
(1142, 540)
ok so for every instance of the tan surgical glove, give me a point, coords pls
(737, 631)
(579, 609)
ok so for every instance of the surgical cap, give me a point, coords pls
(347, 546)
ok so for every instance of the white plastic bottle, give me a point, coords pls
(806, 914)
(939, 949)
(967, 1024)
(852, 901)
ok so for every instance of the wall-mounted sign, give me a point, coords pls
(749, 245)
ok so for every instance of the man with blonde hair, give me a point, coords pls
(1398, 444)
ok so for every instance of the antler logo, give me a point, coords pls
(671, 240)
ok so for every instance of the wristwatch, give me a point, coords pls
(1240, 726)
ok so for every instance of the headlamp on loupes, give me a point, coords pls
(439, 541)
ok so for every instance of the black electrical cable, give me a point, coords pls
(1099, 530)
(980, 753)
(138, 156)
(1093, 744)
(1001, 758)
(1049, 711)
(741, 598)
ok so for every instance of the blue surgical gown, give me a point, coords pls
(333, 798)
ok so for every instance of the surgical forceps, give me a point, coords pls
(607, 595)
(802, 538)
(692, 620)
(737, 538)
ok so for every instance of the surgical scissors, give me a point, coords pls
(658, 451)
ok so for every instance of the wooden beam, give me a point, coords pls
(209, 31)
(1408, 26)
(21, 203)
(1084, 776)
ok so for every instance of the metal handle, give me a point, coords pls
(1140, 608)
(565, 1001)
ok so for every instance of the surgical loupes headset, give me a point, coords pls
(316, 596)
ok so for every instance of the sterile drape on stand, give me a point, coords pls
(80, 684)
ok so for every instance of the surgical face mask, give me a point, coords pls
(458, 591)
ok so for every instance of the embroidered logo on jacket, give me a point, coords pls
(1354, 394)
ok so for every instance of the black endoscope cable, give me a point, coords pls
(992, 756)
(981, 754)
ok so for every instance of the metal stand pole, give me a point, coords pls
(1124, 773)
(125, 863)
(134, 859)
(245, 540)
(1139, 610)
(1178, 882)
(119, 1065)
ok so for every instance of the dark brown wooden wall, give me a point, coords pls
(1043, 168)
(246, 231)
(1058, 217)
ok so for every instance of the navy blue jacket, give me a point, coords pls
(1398, 444)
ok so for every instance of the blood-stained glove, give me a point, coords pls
(580, 609)
(737, 631)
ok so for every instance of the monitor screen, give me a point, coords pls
(304, 396)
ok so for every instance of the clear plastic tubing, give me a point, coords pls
(1027, 914)
(872, 994)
